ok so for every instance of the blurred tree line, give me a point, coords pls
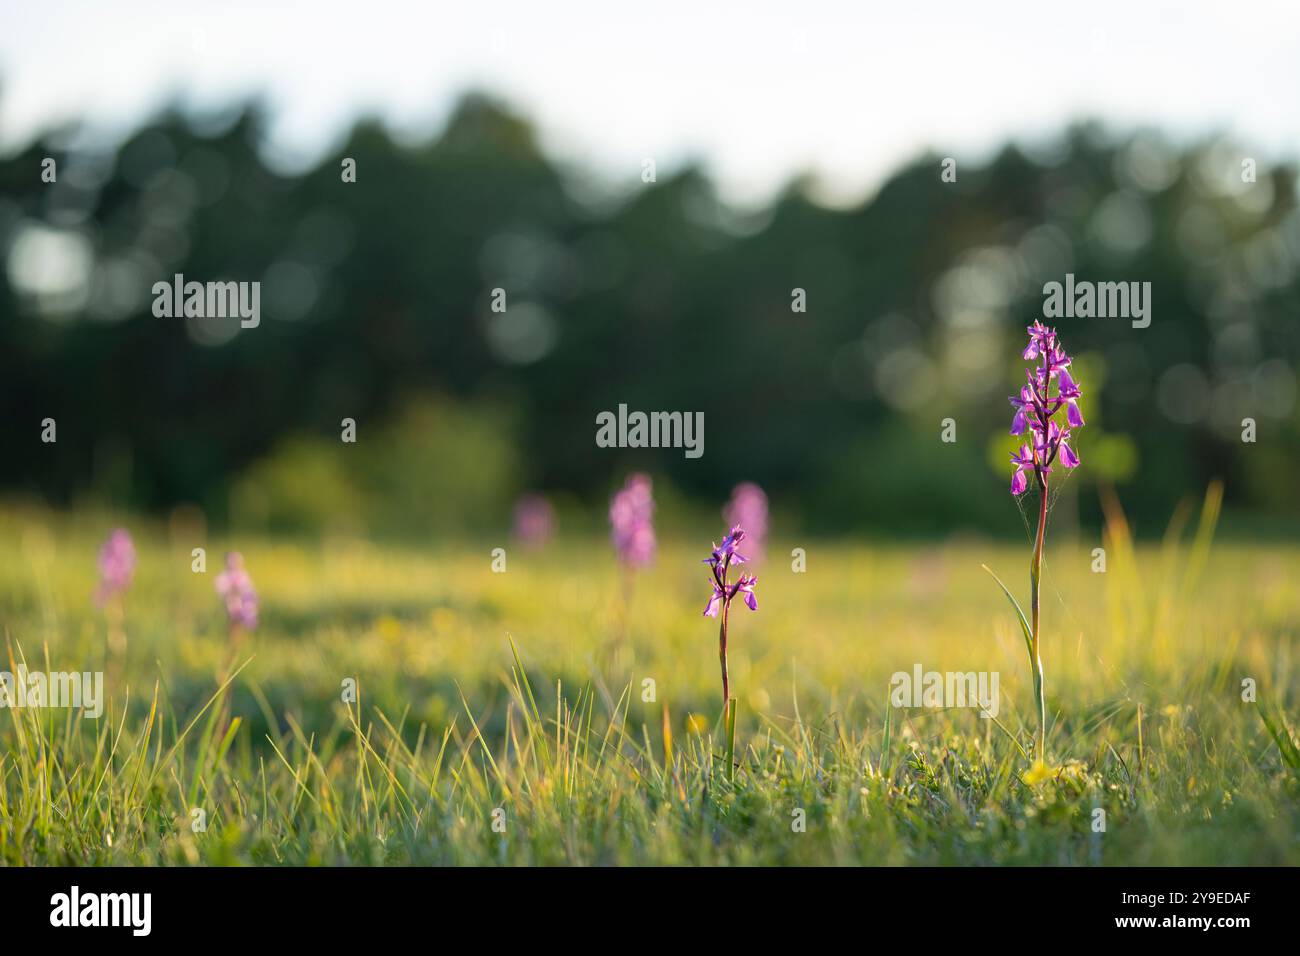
(377, 303)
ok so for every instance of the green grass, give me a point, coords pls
(1143, 665)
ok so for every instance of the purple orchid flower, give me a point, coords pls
(745, 586)
(1037, 335)
(1047, 442)
(631, 521)
(1067, 390)
(116, 566)
(721, 559)
(1035, 407)
(748, 508)
(726, 552)
(534, 520)
(1024, 402)
(1022, 461)
(235, 587)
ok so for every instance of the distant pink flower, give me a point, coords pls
(748, 508)
(116, 566)
(235, 587)
(534, 520)
(631, 521)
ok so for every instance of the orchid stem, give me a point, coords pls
(1035, 574)
(728, 703)
(722, 652)
(730, 718)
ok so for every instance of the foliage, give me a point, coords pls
(516, 691)
(658, 295)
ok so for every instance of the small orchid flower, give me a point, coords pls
(116, 566)
(632, 532)
(116, 570)
(720, 560)
(711, 609)
(1067, 390)
(1040, 336)
(235, 587)
(745, 586)
(1068, 458)
(534, 520)
(748, 508)
(1025, 401)
(726, 552)
(631, 521)
(1022, 461)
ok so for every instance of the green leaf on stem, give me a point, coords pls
(1024, 621)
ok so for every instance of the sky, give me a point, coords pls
(758, 91)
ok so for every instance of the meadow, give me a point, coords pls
(506, 718)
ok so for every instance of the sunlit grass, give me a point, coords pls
(1144, 701)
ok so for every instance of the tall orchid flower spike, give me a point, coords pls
(748, 508)
(720, 561)
(1047, 442)
(235, 588)
(116, 566)
(116, 570)
(631, 521)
